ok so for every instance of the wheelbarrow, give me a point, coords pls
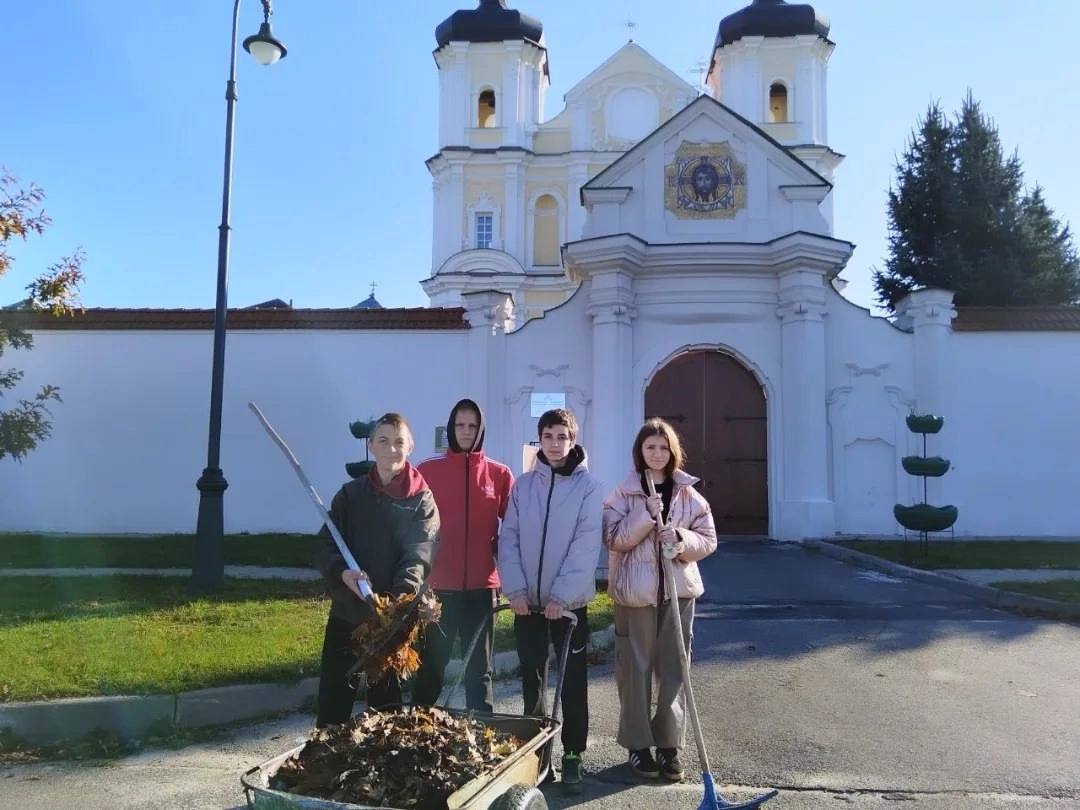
(513, 785)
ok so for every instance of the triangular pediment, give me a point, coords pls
(707, 174)
(630, 59)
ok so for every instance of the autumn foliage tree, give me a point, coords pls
(26, 423)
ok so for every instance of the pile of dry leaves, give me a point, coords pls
(385, 643)
(408, 758)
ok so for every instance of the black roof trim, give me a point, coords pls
(758, 130)
(491, 21)
(647, 243)
(771, 18)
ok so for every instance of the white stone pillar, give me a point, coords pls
(489, 315)
(806, 509)
(455, 227)
(930, 313)
(514, 214)
(577, 176)
(611, 305)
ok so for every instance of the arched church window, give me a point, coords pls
(485, 114)
(778, 107)
(546, 231)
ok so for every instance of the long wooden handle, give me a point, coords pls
(684, 658)
(339, 541)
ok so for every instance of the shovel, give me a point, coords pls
(339, 541)
(711, 801)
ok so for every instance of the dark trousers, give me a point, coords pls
(462, 613)
(532, 634)
(336, 694)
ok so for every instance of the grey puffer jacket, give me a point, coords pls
(550, 539)
(633, 548)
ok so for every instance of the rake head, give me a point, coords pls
(714, 802)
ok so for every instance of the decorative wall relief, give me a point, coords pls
(705, 181)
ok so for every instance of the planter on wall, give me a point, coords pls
(933, 467)
(925, 424)
(922, 517)
(360, 430)
(925, 518)
(358, 469)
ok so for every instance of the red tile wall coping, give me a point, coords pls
(418, 318)
(1017, 319)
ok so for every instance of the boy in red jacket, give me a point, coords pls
(472, 492)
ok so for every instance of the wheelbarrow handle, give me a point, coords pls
(570, 616)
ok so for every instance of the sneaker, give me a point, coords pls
(643, 764)
(571, 770)
(670, 765)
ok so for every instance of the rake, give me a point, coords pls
(712, 801)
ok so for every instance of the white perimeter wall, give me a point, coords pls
(129, 440)
(1013, 433)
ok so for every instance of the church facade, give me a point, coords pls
(649, 251)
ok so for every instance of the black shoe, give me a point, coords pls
(571, 770)
(643, 764)
(671, 766)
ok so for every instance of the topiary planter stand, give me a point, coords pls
(922, 517)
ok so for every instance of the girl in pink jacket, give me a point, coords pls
(644, 647)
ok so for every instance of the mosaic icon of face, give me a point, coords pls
(706, 182)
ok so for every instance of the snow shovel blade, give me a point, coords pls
(714, 802)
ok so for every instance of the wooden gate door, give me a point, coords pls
(718, 409)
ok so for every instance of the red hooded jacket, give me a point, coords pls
(472, 492)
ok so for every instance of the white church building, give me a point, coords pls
(647, 251)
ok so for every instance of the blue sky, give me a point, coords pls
(117, 109)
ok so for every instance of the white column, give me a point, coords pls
(806, 509)
(611, 305)
(514, 214)
(489, 315)
(931, 313)
(457, 232)
(577, 176)
(511, 116)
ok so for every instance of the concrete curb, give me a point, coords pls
(130, 717)
(994, 597)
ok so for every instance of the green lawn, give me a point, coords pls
(151, 551)
(82, 636)
(973, 554)
(1064, 590)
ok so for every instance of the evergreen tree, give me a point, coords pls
(920, 214)
(959, 220)
(1049, 251)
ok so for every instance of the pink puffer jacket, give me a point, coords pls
(633, 550)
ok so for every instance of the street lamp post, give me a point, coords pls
(208, 570)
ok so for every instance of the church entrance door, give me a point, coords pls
(718, 408)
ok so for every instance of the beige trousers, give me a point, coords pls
(647, 653)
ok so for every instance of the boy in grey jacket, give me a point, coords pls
(549, 545)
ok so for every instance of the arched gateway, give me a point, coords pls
(718, 408)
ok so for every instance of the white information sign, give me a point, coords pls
(539, 403)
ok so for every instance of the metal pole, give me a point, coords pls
(208, 571)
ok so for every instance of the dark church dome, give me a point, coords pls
(491, 21)
(772, 18)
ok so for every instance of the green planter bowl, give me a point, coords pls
(362, 430)
(358, 469)
(925, 518)
(933, 467)
(925, 423)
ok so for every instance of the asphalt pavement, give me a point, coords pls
(841, 687)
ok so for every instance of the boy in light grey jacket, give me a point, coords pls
(549, 545)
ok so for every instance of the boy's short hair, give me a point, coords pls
(557, 416)
(663, 429)
(396, 421)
